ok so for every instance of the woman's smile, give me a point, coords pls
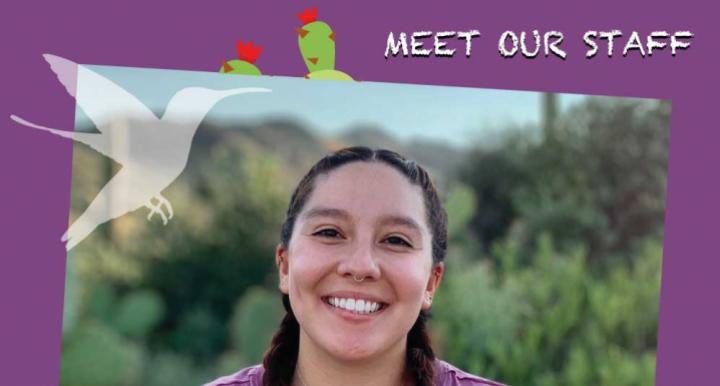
(354, 307)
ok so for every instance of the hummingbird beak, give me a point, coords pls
(238, 91)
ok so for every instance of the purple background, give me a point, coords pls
(199, 35)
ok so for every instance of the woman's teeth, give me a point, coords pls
(358, 306)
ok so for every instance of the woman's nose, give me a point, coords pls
(359, 264)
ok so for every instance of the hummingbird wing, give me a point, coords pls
(65, 70)
(97, 95)
(108, 105)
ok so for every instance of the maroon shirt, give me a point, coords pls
(447, 375)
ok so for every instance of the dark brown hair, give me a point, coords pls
(281, 357)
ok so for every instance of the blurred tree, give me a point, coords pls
(599, 182)
(603, 182)
(494, 175)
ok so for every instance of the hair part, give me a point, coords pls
(281, 358)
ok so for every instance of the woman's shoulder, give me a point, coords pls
(449, 375)
(249, 376)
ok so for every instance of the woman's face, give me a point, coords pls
(358, 268)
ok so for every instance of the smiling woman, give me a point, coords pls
(360, 258)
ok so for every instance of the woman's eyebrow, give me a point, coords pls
(401, 221)
(344, 215)
(326, 212)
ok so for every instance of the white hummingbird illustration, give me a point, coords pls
(153, 151)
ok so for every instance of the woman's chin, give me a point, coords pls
(357, 349)
(353, 353)
(347, 348)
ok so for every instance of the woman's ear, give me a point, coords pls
(436, 275)
(282, 265)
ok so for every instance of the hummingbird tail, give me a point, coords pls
(77, 232)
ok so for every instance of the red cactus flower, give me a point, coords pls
(308, 16)
(247, 52)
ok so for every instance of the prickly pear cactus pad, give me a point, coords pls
(328, 75)
(317, 45)
(248, 54)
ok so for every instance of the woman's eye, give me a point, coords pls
(327, 232)
(395, 240)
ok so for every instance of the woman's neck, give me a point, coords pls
(316, 367)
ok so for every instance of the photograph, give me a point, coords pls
(281, 230)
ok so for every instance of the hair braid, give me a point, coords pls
(420, 360)
(281, 358)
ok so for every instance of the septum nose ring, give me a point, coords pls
(358, 280)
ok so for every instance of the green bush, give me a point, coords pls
(554, 321)
(96, 355)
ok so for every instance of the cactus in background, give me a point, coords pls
(254, 321)
(138, 312)
(248, 54)
(317, 46)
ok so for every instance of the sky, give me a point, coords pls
(452, 115)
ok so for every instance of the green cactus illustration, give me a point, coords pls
(248, 54)
(317, 46)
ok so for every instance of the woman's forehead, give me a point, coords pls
(367, 189)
